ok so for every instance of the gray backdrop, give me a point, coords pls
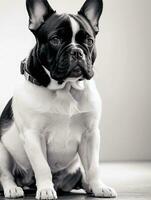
(123, 69)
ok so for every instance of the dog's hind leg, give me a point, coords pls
(11, 190)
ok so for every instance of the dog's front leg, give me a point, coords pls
(89, 152)
(32, 144)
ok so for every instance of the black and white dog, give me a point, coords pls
(49, 130)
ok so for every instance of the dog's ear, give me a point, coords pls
(38, 11)
(92, 10)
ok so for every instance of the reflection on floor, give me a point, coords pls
(131, 180)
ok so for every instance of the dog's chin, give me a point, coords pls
(74, 78)
(70, 82)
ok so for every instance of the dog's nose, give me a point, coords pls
(76, 53)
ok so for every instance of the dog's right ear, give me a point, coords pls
(38, 11)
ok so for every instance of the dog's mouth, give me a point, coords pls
(78, 72)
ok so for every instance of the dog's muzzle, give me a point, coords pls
(72, 62)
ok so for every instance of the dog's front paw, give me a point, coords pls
(13, 192)
(46, 193)
(102, 190)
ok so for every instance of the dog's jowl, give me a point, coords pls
(49, 130)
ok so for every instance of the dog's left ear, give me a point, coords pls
(38, 11)
(92, 10)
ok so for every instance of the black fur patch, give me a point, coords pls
(65, 181)
(6, 118)
(57, 59)
(24, 178)
(35, 68)
(54, 49)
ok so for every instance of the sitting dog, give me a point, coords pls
(49, 130)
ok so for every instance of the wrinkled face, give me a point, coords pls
(65, 43)
(67, 47)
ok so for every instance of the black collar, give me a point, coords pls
(26, 73)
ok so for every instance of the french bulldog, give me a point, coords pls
(49, 130)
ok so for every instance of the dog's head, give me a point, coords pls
(66, 43)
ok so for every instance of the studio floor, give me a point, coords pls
(132, 181)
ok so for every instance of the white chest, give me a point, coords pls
(63, 136)
(59, 116)
(33, 100)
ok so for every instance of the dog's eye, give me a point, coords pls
(89, 42)
(55, 41)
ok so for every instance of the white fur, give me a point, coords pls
(57, 115)
(50, 126)
(74, 82)
(75, 28)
